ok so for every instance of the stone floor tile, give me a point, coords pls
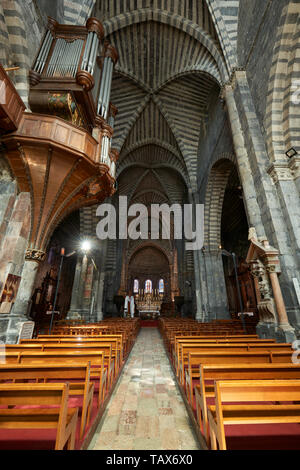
(146, 411)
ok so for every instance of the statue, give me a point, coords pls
(129, 299)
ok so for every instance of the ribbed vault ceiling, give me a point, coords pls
(170, 64)
(162, 86)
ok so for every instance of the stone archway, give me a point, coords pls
(226, 232)
(149, 262)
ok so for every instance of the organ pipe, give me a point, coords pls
(109, 60)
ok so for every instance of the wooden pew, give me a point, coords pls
(218, 338)
(62, 418)
(96, 359)
(181, 343)
(58, 339)
(10, 357)
(186, 348)
(110, 359)
(78, 374)
(245, 392)
(211, 372)
(195, 359)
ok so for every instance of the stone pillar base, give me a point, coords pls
(282, 333)
(285, 334)
(200, 317)
(266, 330)
(10, 327)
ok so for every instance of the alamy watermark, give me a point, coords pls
(161, 221)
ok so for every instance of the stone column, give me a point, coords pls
(30, 269)
(244, 168)
(21, 307)
(99, 299)
(200, 312)
(216, 294)
(294, 165)
(75, 289)
(81, 289)
(271, 197)
(284, 331)
(77, 300)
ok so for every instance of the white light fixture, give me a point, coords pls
(86, 245)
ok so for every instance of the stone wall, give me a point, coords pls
(257, 28)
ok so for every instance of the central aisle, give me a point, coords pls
(146, 411)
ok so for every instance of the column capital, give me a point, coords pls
(232, 80)
(280, 171)
(35, 255)
(294, 165)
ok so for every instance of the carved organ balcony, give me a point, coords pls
(60, 152)
(71, 78)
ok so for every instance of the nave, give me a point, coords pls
(146, 411)
(176, 385)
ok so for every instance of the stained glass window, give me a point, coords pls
(148, 286)
(136, 286)
(161, 286)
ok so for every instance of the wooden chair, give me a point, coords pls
(62, 418)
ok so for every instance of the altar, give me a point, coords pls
(149, 304)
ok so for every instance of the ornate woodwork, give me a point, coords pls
(59, 165)
(11, 105)
(67, 73)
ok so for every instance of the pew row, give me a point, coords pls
(39, 406)
(77, 375)
(204, 391)
(253, 402)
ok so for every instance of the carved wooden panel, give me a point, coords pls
(11, 105)
(56, 130)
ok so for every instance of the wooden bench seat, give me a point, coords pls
(195, 359)
(111, 360)
(251, 404)
(98, 374)
(79, 375)
(182, 346)
(117, 341)
(61, 418)
(185, 349)
(208, 373)
(111, 356)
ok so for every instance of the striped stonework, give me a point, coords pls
(13, 31)
(77, 12)
(5, 51)
(153, 155)
(214, 197)
(225, 17)
(282, 119)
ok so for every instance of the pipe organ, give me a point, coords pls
(71, 78)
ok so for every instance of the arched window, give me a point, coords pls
(161, 286)
(136, 286)
(148, 286)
